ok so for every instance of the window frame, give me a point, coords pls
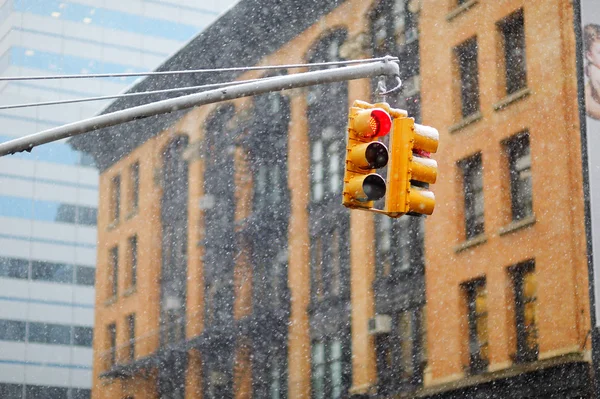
(111, 330)
(133, 247)
(521, 198)
(113, 272)
(466, 58)
(134, 187)
(515, 76)
(478, 362)
(524, 353)
(473, 186)
(115, 199)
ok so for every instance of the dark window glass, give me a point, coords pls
(466, 55)
(80, 393)
(46, 333)
(473, 195)
(82, 336)
(327, 129)
(67, 213)
(83, 215)
(85, 275)
(54, 272)
(277, 378)
(319, 369)
(328, 369)
(113, 276)
(45, 392)
(86, 215)
(519, 162)
(11, 391)
(525, 291)
(135, 185)
(399, 246)
(14, 268)
(401, 355)
(131, 327)
(513, 33)
(477, 316)
(112, 339)
(116, 198)
(133, 256)
(12, 330)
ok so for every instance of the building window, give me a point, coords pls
(318, 173)
(277, 377)
(401, 355)
(52, 272)
(134, 176)
(477, 319)
(472, 174)
(519, 162)
(512, 29)
(11, 390)
(468, 73)
(12, 330)
(133, 259)
(41, 391)
(327, 125)
(83, 336)
(46, 333)
(399, 246)
(131, 333)
(113, 272)
(14, 268)
(525, 291)
(328, 373)
(80, 393)
(112, 340)
(115, 198)
(85, 275)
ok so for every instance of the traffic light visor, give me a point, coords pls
(370, 123)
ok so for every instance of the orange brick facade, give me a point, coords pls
(554, 237)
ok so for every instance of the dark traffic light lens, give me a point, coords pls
(374, 187)
(376, 155)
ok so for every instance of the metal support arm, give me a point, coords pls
(388, 67)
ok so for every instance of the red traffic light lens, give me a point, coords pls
(380, 123)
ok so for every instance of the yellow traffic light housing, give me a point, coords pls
(410, 164)
(364, 154)
(410, 169)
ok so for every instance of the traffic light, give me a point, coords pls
(364, 154)
(411, 169)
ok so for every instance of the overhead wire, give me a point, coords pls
(163, 91)
(125, 95)
(192, 71)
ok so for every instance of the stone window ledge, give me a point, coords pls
(130, 291)
(465, 122)
(517, 225)
(460, 9)
(514, 97)
(473, 242)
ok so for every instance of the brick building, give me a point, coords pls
(228, 268)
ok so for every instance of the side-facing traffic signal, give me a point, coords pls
(411, 169)
(364, 154)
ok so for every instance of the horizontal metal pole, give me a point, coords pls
(388, 67)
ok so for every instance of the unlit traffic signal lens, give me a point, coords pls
(377, 155)
(374, 187)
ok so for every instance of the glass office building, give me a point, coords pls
(48, 197)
